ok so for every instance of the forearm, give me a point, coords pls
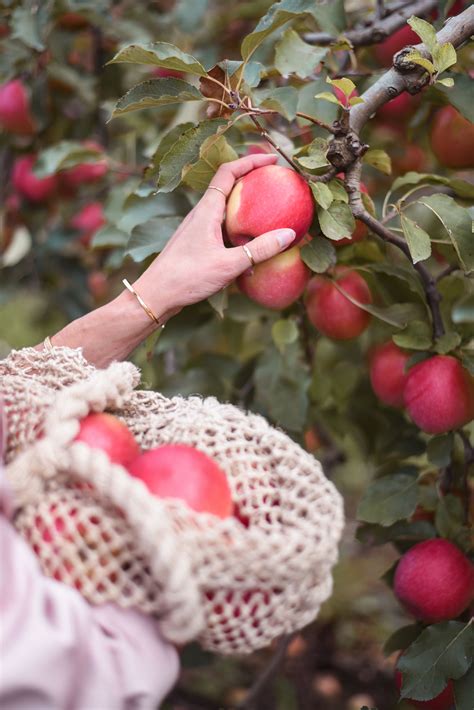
(113, 331)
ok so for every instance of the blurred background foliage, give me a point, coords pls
(55, 267)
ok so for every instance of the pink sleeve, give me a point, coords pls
(58, 652)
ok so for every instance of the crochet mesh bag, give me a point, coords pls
(231, 585)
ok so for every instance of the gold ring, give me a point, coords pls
(248, 253)
(213, 187)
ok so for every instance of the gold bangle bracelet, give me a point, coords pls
(142, 303)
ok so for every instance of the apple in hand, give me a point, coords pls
(15, 113)
(387, 373)
(183, 472)
(277, 282)
(434, 581)
(88, 221)
(331, 312)
(443, 701)
(452, 139)
(28, 185)
(267, 198)
(105, 431)
(439, 394)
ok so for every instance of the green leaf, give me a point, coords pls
(284, 332)
(444, 56)
(322, 194)
(327, 96)
(418, 240)
(109, 236)
(168, 140)
(315, 155)
(137, 209)
(319, 255)
(379, 159)
(214, 152)
(65, 154)
(416, 336)
(442, 652)
(461, 187)
(417, 58)
(425, 32)
(356, 100)
(458, 224)
(446, 82)
(219, 302)
(242, 310)
(30, 27)
(398, 314)
(151, 237)
(447, 342)
(464, 690)
(401, 638)
(160, 54)
(439, 450)
(252, 70)
(293, 56)
(337, 222)
(463, 310)
(460, 95)
(449, 520)
(283, 99)
(402, 533)
(338, 190)
(281, 384)
(156, 92)
(278, 15)
(389, 499)
(184, 152)
(330, 16)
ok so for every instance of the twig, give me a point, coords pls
(445, 272)
(267, 675)
(468, 461)
(316, 121)
(378, 30)
(270, 140)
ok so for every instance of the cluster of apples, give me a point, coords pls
(275, 196)
(16, 117)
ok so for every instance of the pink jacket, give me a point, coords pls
(59, 653)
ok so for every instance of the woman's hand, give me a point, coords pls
(195, 263)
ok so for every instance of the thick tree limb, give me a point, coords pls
(385, 24)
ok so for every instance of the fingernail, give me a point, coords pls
(285, 236)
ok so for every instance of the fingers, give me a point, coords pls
(227, 175)
(262, 248)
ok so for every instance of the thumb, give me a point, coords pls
(262, 248)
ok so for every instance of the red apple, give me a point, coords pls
(452, 139)
(331, 312)
(399, 109)
(387, 373)
(179, 471)
(88, 221)
(86, 173)
(72, 21)
(443, 701)
(434, 581)
(15, 112)
(104, 431)
(408, 157)
(401, 38)
(278, 282)
(439, 394)
(271, 197)
(28, 185)
(360, 231)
